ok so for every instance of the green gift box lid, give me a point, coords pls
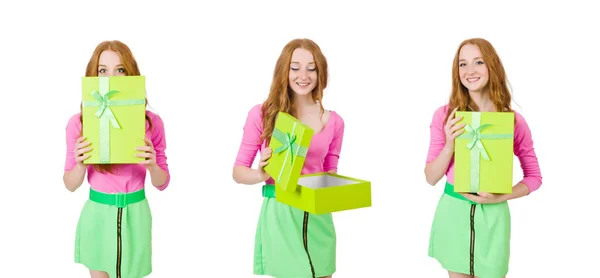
(289, 145)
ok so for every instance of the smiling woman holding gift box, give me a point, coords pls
(113, 236)
(291, 242)
(470, 235)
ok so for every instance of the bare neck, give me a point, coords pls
(482, 100)
(304, 103)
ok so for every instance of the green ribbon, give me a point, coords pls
(476, 146)
(105, 114)
(476, 137)
(288, 141)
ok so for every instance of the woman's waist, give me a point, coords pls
(118, 199)
(112, 186)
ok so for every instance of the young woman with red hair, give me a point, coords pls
(115, 241)
(470, 235)
(290, 242)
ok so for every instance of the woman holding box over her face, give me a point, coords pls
(291, 242)
(114, 236)
(470, 235)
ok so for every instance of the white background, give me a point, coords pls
(206, 66)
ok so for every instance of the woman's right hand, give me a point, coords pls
(452, 130)
(264, 156)
(81, 150)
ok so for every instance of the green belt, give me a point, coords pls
(119, 200)
(268, 191)
(449, 189)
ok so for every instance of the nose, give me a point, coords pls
(303, 74)
(470, 69)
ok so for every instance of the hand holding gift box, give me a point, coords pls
(483, 154)
(114, 118)
(315, 193)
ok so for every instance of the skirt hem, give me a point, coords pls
(466, 272)
(108, 271)
(293, 276)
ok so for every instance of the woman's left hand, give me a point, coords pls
(485, 198)
(149, 153)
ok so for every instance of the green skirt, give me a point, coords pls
(470, 238)
(114, 234)
(291, 243)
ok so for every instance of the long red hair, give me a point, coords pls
(129, 65)
(497, 84)
(280, 96)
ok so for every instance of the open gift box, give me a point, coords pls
(316, 193)
(483, 155)
(323, 193)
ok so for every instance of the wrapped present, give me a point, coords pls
(114, 118)
(483, 153)
(315, 193)
(289, 145)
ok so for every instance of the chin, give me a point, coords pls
(302, 92)
(473, 87)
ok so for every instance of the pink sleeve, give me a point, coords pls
(73, 132)
(437, 139)
(251, 139)
(335, 147)
(159, 141)
(523, 149)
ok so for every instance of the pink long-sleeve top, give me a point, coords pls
(125, 177)
(522, 147)
(323, 153)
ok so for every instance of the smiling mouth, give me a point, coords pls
(303, 84)
(473, 79)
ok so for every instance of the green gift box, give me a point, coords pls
(114, 118)
(483, 153)
(289, 145)
(316, 193)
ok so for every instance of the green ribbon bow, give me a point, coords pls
(288, 141)
(105, 114)
(476, 146)
(476, 139)
(104, 104)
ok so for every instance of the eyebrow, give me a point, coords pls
(299, 63)
(119, 65)
(463, 60)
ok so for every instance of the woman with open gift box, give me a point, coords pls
(290, 242)
(113, 237)
(470, 235)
